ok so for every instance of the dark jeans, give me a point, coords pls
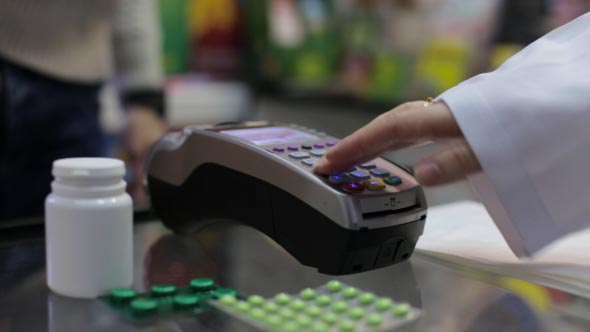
(41, 119)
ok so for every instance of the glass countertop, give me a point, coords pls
(452, 298)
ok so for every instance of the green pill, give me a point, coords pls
(282, 298)
(383, 304)
(144, 306)
(350, 292)
(184, 301)
(257, 314)
(163, 290)
(401, 310)
(303, 321)
(270, 307)
(256, 300)
(307, 294)
(319, 327)
(339, 307)
(313, 311)
(291, 327)
(219, 292)
(356, 313)
(274, 321)
(297, 305)
(334, 286)
(323, 300)
(123, 294)
(347, 326)
(366, 298)
(202, 284)
(243, 306)
(287, 313)
(228, 300)
(329, 318)
(374, 320)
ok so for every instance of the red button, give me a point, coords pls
(353, 187)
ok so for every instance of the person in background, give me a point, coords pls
(54, 57)
(525, 125)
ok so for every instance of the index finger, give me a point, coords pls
(390, 131)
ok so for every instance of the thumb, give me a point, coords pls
(447, 166)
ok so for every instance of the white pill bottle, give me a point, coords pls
(88, 228)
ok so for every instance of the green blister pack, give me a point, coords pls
(167, 299)
(329, 308)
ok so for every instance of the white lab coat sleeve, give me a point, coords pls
(528, 123)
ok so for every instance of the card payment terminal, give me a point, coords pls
(261, 175)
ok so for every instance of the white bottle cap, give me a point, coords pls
(88, 168)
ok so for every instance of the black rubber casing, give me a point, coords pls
(215, 193)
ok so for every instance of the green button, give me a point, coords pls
(219, 292)
(393, 180)
(274, 320)
(202, 284)
(401, 310)
(228, 300)
(339, 307)
(308, 294)
(334, 286)
(347, 326)
(303, 320)
(329, 318)
(297, 305)
(374, 320)
(243, 306)
(291, 327)
(270, 307)
(320, 327)
(287, 313)
(163, 290)
(256, 300)
(323, 300)
(144, 306)
(186, 300)
(356, 313)
(282, 298)
(350, 292)
(366, 298)
(123, 294)
(257, 314)
(313, 311)
(383, 304)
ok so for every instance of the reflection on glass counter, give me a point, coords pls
(451, 298)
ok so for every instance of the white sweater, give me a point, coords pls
(84, 40)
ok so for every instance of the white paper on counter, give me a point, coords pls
(464, 232)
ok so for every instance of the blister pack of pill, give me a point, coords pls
(329, 308)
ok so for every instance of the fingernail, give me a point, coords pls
(321, 163)
(428, 173)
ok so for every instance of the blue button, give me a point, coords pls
(299, 155)
(338, 178)
(317, 152)
(380, 172)
(360, 175)
(309, 162)
(368, 165)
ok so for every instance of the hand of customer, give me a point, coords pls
(144, 128)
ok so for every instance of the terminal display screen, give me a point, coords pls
(270, 135)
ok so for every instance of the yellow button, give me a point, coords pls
(374, 184)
